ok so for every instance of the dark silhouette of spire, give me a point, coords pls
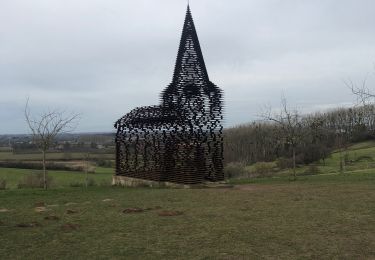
(190, 60)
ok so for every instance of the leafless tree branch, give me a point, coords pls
(290, 123)
(46, 127)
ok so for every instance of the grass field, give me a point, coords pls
(323, 219)
(102, 176)
(323, 216)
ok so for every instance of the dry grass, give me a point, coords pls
(320, 219)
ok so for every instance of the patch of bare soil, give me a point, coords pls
(218, 186)
(107, 200)
(70, 204)
(52, 206)
(71, 211)
(169, 213)
(51, 217)
(29, 225)
(112, 205)
(4, 210)
(246, 187)
(132, 210)
(41, 209)
(70, 227)
(154, 208)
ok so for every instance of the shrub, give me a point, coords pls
(234, 170)
(311, 170)
(35, 180)
(346, 158)
(264, 169)
(91, 182)
(364, 158)
(104, 183)
(91, 169)
(105, 163)
(284, 163)
(3, 184)
(76, 184)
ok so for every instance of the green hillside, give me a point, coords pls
(358, 158)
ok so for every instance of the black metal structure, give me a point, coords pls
(181, 139)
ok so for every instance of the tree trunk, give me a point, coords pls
(294, 164)
(87, 170)
(342, 160)
(44, 170)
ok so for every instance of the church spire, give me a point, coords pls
(190, 63)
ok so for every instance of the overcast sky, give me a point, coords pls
(102, 58)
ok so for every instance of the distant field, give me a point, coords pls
(102, 176)
(325, 217)
(5, 149)
(53, 156)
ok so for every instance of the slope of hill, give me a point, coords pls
(356, 158)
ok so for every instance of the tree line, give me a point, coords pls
(289, 134)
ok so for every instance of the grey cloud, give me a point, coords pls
(103, 58)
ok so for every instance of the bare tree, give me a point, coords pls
(290, 125)
(361, 91)
(45, 127)
(87, 157)
(365, 97)
(364, 94)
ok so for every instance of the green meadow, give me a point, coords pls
(326, 215)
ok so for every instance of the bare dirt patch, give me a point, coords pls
(170, 213)
(154, 208)
(29, 225)
(41, 209)
(71, 211)
(52, 217)
(246, 187)
(70, 227)
(256, 187)
(133, 210)
(52, 206)
(4, 210)
(70, 203)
